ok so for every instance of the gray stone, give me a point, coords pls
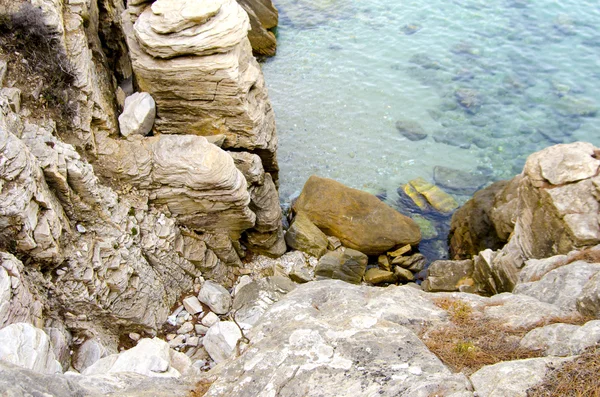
(561, 286)
(344, 264)
(138, 114)
(192, 305)
(448, 275)
(457, 181)
(535, 269)
(88, 353)
(13, 95)
(221, 340)
(521, 311)
(512, 378)
(562, 339)
(215, 297)
(210, 319)
(332, 338)
(150, 357)
(588, 302)
(26, 346)
(411, 130)
(255, 298)
(3, 71)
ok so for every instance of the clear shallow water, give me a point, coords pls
(347, 71)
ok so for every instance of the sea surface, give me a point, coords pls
(346, 71)
(488, 81)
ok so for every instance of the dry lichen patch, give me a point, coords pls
(472, 341)
(576, 378)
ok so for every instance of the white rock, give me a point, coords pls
(186, 328)
(244, 280)
(201, 329)
(138, 114)
(134, 336)
(88, 353)
(210, 319)
(14, 98)
(216, 297)
(192, 341)
(24, 345)
(221, 340)
(177, 341)
(562, 339)
(151, 357)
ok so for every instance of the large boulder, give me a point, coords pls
(359, 219)
(553, 206)
(24, 345)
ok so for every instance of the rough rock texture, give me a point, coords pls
(17, 303)
(201, 73)
(221, 340)
(553, 205)
(138, 114)
(303, 235)
(563, 339)
(449, 275)
(588, 302)
(215, 297)
(150, 357)
(332, 338)
(263, 16)
(512, 378)
(359, 219)
(343, 264)
(26, 346)
(561, 286)
(21, 382)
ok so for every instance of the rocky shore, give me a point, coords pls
(144, 250)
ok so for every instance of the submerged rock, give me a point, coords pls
(358, 219)
(457, 181)
(423, 193)
(411, 130)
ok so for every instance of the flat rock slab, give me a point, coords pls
(329, 338)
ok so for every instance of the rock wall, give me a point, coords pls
(551, 208)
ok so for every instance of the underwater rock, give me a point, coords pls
(423, 192)
(411, 130)
(457, 181)
(359, 219)
(411, 28)
(425, 61)
(470, 99)
(428, 230)
(573, 106)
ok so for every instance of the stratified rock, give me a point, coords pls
(562, 286)
(422, 191)
(344, 334)
(215, 297)
(150, 357)
(344, 264)
(562, 339)
(254, 299)
(221, 340)
(403, 274)
(263, 16)
(360, 220)
(411, 130)
(197, 64)
(448, 275)
(17, 303)
(138, 114)
(303, 235)
(512, 378)
(26, 346)
(457, 181)
(377, 276)
(250, 166)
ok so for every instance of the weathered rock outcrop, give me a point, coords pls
(551, 208)
(263, 17)
(197, 64)
(360, 220)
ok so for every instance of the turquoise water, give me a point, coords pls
(527, 72)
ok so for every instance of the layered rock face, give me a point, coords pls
(551, 208)
(196, 62)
